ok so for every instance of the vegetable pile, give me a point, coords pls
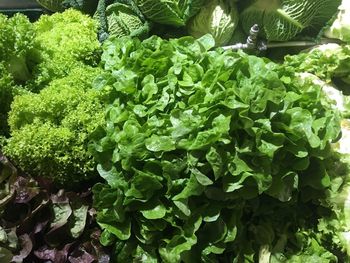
(200, 141)
(128, 134)
(279, 20)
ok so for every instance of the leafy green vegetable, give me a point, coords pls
(207, 155)
(283, 20)
(216, 17)
(18, 46)
(50, 130)
(41, 224)
(19, 54)
(173, 12)
(340, 27)
(123, 20)
(34, 54)
(6, 97)
(67, 40)
(329, 62)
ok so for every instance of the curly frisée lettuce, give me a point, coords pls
(282, 20)
(68, 40)
(18, 46)
(207, 155)
(50, 130)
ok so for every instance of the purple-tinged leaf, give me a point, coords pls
(53, 254)
(81, 256)
(61, 210)
(45, 183)
(40, 226)
(26, 189)
(78, 220)
(26, 226)
(26, 247)
(102, 256)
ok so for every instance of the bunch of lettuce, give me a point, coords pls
(67, 40)
(328, 65)
(42, 224)
(50, 65)
(50, 130)
(210, 156)
(18, 56)
(35, 53)
(329, 62)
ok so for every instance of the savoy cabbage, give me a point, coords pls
(282, 20)
(173, 12)
(218, 18)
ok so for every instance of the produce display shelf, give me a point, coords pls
(28, 7)
(18, 4)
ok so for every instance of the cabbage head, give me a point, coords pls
(341, 26)
(281, 20)
(218, 18)
(170, 12)
(124, 20)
